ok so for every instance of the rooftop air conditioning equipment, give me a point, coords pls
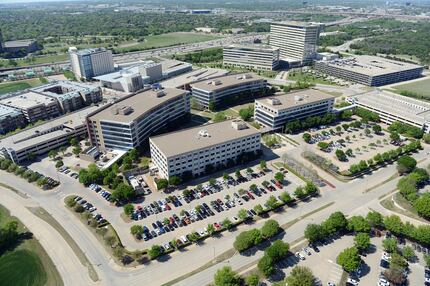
(160, 93)
(215, 82)
(239, 124)
(274, 101)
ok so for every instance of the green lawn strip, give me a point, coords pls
(38, 60)
(44, 215)
(18, 85)
(389, 205)
(28, 264)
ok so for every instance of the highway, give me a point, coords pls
(348, 198)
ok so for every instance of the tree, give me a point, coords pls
(76, 151)
(247, 239)
(52, 154)
(377, 129)
(311, 189)
(162, 184)
(219, 116)
(427, 260)
(393, 224)
(422, 205)
(335, 222)
(314, 233)
(227, 277)
(390, 245)
(406, 164)
(211, 105)
(238, 174)
(323, 145)
(136, 230)
(246, 113)
(300, 276)
(272, 203)
(299, 193)
(252, 280)
(279, 177)
(263, 165)
(277, 250)
(362, 241)
(265, 265)
(128, 209)
(174, 180)
(227, 224)
(375, 219)
(270, 228)
(59, 164)
(408, 253)
(285, 197)
(307, 137)
(340, 155)
(243, 214)
(394, 136)
(123, 192)
(349, 259)
(358, 224)
(210, 229)
(74, 142)
(258, 209)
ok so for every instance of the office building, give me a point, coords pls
(173, 68)
(21, 46)
(71, 96)
(276, 111)
(297, 42)
(222, 90)
(90, 63)
(10, 119)
(256, 57)
(43, 138)
(183, 81)
(199, 149)
(369, 70)
(127, 123)
(34, 106)
(132, 78)
(393, 107)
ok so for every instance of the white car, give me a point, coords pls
(352, 281)
(386, 256)
(184, 239)
(300, 256)
(383, 282)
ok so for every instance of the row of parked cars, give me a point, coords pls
(51, 183)
(156, 207)
(102, 192)
(65, 170)
(90, 208)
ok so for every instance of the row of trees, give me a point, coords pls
(366, 115)
(310, 122)
(406, 129)
(388, 156)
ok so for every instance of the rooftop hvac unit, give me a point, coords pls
(244, 76)
(239, 124)
(298, 98)
(215, 82)
(160, 93)
(203, 133)
(274, 101)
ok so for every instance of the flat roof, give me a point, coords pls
(227, 81)
(27, 100)
(188, 140)
(89, 51)
(398, 105)
(371, 65)
(253, 47)
(18, 43)
(72, 89)
(6, 111)
(296, 24)
(294, 99)
(138, 104)
(169, 66)
(193, 76)
(31, 137)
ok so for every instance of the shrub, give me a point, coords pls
(270, 228)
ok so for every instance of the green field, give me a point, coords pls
(28, 264)
(37, 60)
(18, 85)
(165, 40)
(421, 88)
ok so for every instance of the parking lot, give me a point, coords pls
(363, 147)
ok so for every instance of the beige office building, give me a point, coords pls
(256, 57)
(194, 149)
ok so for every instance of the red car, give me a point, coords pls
(277, 184)
(168, 207)
(217, 226)
(250, 195)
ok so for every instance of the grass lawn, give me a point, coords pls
(39, 60)
(28, 263)
(421, 87)
(169, 39)
(18, 85)
(299, 76)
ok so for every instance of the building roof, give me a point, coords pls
(296, 24)
(27, 100)
(131, 107)
(227, 81)
(371, 65)
(399, 105)
(253, 47)
(169, 66)
(19, 43)
(294, 99)
(46, 131)
(193, 76)
(69, 89)
(192, 139)
(6, 111)
(88, 51)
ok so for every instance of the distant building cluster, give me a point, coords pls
(44, 102)
(369, 70)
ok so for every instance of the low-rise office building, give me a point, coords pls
(369, 70)
(20, 46)
(222, 89)
(183, 81)
(127, 123)
(195, 150)
(34, 106)
(10, 119)
(258, 57)
(276, 111)
(173, 68)
(41, 139)
(393, 107)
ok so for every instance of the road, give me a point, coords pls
(348, 198)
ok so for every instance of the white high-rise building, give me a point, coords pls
(297, 42)
(89, 63)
